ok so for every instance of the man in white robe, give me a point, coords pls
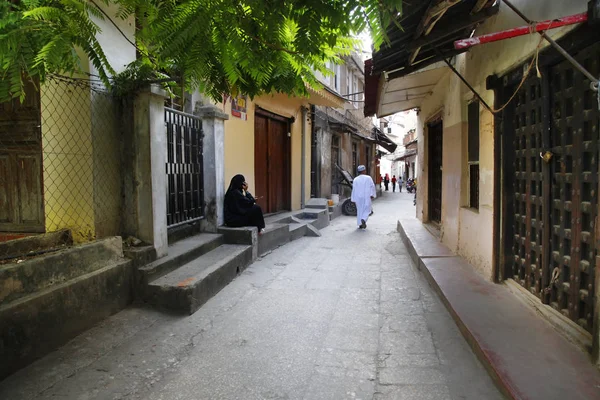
(363, 191)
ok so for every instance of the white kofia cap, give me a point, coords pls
(361, 168)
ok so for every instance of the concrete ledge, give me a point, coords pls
(35, 325)
(141, 255)
(247, 235)
(317, 203)
(183, 231)
(523, 353)
(297, 230)
(35, 244)
(335, 211)
(275, 235)
(189, 287)
(420, 242)
(180, 253)
(319, 218)
(21, 279)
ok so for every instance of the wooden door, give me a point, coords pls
(435, 171)
(261, 167)
(21, 193)
(551, 203)
(272, 162)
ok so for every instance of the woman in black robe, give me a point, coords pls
(241, 209)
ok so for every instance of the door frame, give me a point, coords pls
(436, 120)
(288, 164)
(573, 42)
(22, 150)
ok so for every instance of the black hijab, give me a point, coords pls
(236, 183)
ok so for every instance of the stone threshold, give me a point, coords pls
(524, 354)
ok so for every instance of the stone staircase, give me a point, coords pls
(198, 267)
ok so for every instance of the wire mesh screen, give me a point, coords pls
(60, 161)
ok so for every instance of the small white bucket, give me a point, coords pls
(335, 198)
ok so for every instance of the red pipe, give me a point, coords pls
(523, 30)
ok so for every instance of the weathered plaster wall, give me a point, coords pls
(469, 232)
(239, 142)
(326, 167)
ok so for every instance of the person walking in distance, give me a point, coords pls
(400, 182)
(386, 182)
(363, 192)
(394, 180)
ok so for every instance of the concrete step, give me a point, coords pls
(180, 253)
(34, 274)
(187, 288)
(274, 235)
(297, 230)
(38, 323)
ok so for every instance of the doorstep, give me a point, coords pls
(524, 354)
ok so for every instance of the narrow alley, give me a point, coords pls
(343, 316)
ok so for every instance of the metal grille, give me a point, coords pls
(60, 161)
(556, 132)
(474, 185)
(435, 137)
(574, 128)
(185, 192)
(527, 245)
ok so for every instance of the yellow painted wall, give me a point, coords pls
(466, 231)
(80, 144)
(67, 159)
(239, 142)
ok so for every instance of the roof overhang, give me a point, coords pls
(409, 91)
(407, 153)
(423, 37)
(324, 97)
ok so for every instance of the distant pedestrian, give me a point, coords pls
(400, 182)
(386, 182)
(394, 180)
(363, 192)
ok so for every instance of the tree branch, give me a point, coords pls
(274, 46)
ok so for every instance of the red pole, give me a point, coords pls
(523, 30)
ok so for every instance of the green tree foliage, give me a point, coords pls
(218, 46)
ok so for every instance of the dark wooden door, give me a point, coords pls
(551, 133)
(21, 190)
(272, 162)
(435, 171)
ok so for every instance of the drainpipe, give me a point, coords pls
(303, 165)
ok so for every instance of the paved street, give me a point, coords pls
(344, 316)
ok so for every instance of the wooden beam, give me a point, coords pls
(423, 63)
(479, 6)
(453, 28)
(433, 14)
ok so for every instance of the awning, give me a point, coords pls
(425, 37)
(409, 91)
(384, 141)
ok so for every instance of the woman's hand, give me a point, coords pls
(245, 186)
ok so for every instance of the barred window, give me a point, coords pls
(473, 154)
